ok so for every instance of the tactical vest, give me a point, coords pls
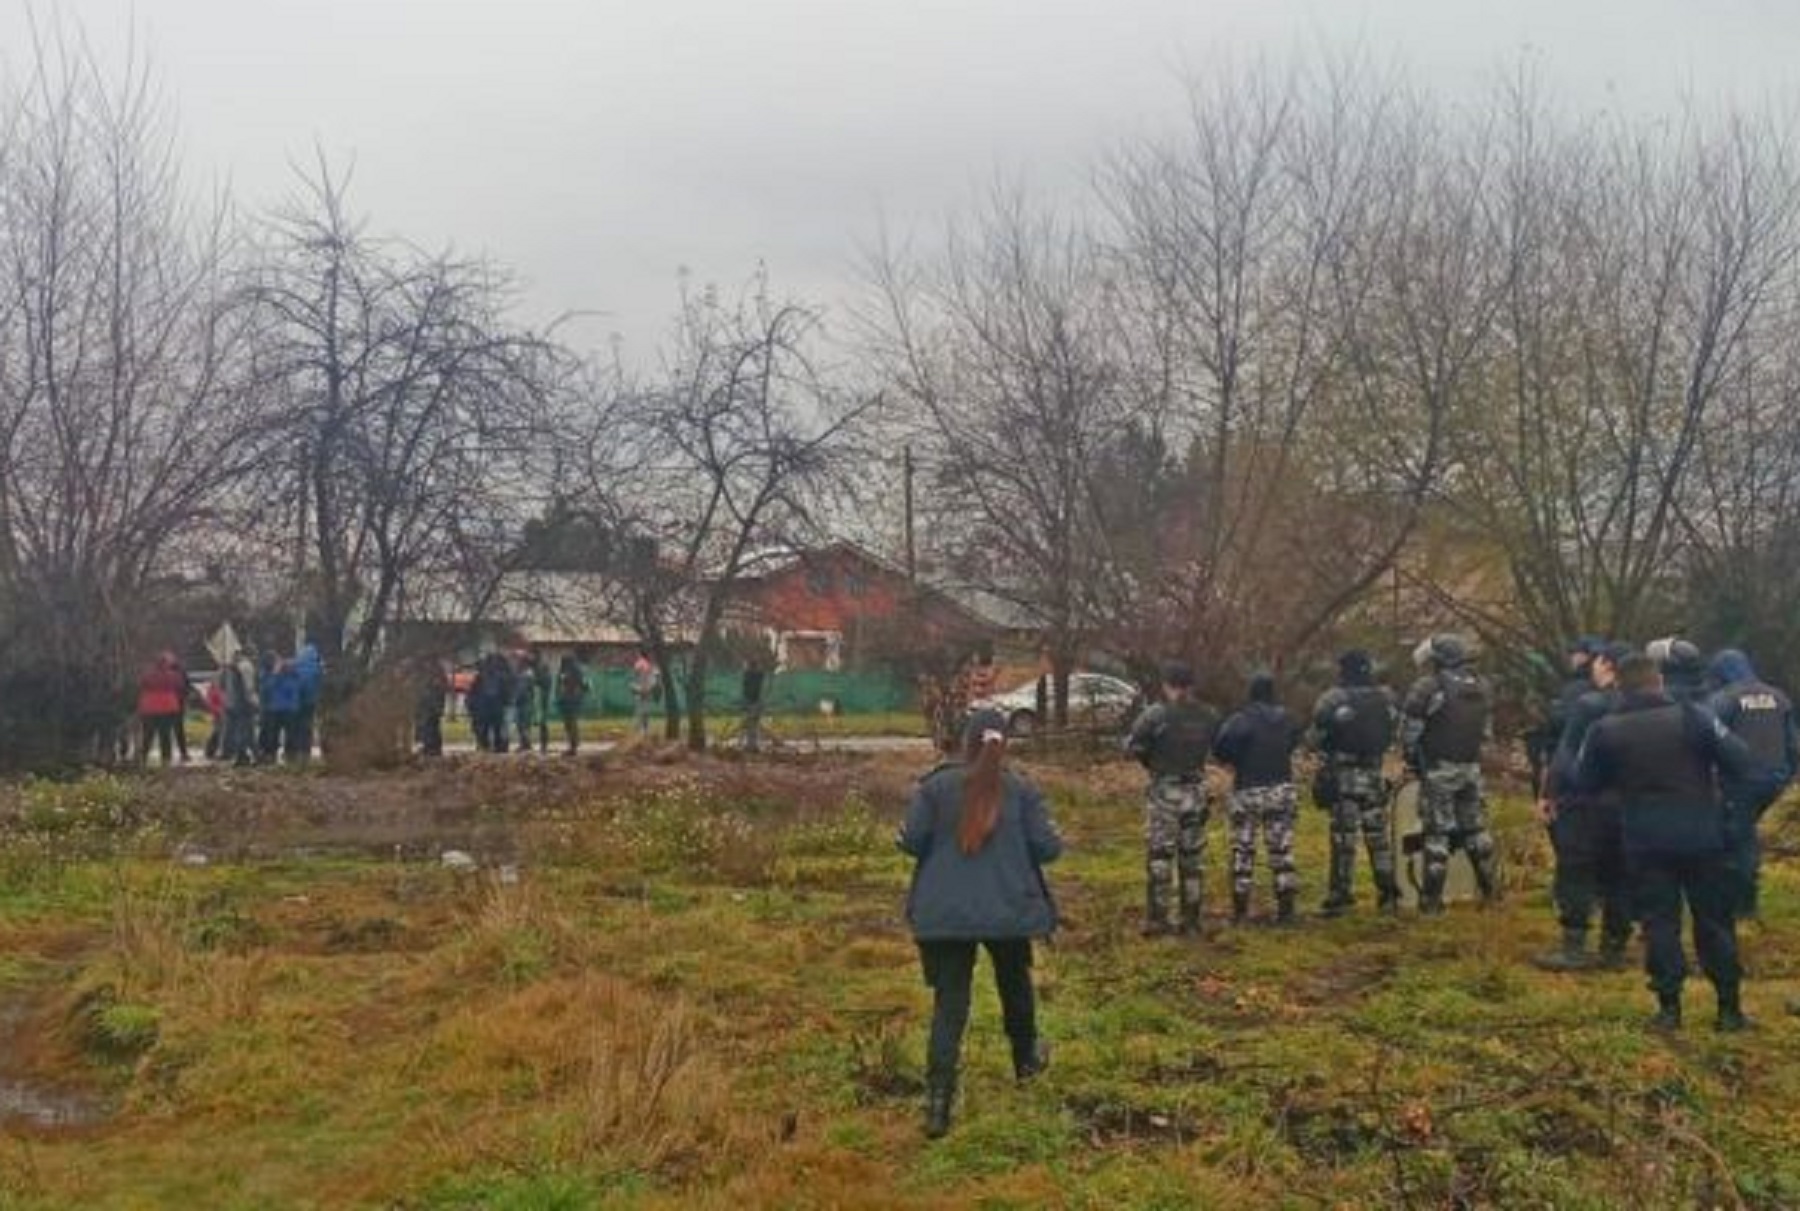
(1183, 741)
(1362, 728)
(1657, 758)
(1265, 757)
(1759, 717)
(1456, 727)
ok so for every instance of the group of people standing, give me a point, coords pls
(1654, 769)
(1441, 724)
(263, 706)
(1659, 772)
(509, 701)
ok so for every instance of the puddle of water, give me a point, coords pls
(45, 1108)
(32, 1105)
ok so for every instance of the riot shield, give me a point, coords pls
(1409, 852)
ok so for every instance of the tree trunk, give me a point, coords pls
(1062, 663)
(665, 666)
(696, 703)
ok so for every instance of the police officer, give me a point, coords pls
(1258, 743)
(1660, 756)
(1587, 832)
(1353, 727)
(1447, 713)
(1763, 718)
(1541, 742)
(1171, 739)
(1541, 745)
(1683, 668)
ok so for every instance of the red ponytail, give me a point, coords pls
(982, 790)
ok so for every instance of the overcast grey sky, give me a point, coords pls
(597, 145)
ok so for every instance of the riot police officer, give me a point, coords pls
(1353, 728)
(1447, 714)
(1172, 739)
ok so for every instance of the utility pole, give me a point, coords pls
(912, 550)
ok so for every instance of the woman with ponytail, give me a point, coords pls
(981, 836)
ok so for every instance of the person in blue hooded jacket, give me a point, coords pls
(280, 705)
(309, 673)
(1763, 718)
(980, 835)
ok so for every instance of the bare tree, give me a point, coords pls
(1641, 271)
(725, 458)
(123, 410)
(421, 420)
(1300, 295)
(1004, 349)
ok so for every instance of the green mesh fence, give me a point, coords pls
(802, 692)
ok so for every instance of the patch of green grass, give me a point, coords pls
(124, 1031)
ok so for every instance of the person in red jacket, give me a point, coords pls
(162, 692)
(215, 710)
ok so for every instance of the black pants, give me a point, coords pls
(300, 732)
(1706, 883)
(1590, 869)
(277, 728)
(164, 731)
(950, 973)
(240, 736)
(429, 729)
(571, 721)
(1744, 810)
(489, 719)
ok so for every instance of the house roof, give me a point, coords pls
(561, 608)
(982, 605)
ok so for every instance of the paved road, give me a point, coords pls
(796, 745)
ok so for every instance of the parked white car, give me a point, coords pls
(1095, 701)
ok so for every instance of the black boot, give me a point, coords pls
(1612, 953)
(1488, 881)
(1190, 920)
(1336, 904)
(1389, 902)
(1431, 894)
(939, 1097)
(1284, 908)
(1569, 955)
(1240, 907)
(1030, 1059)
(1668, 1012)
(1156, 909)
(1731, 1014)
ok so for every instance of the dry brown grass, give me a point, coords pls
(621, 1074)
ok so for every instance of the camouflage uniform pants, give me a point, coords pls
(1452, 811)
(1361, 809)
(1270, 810)
(1175, 845)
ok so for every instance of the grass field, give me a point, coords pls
(698, 993)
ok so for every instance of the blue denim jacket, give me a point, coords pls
(997, 892)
